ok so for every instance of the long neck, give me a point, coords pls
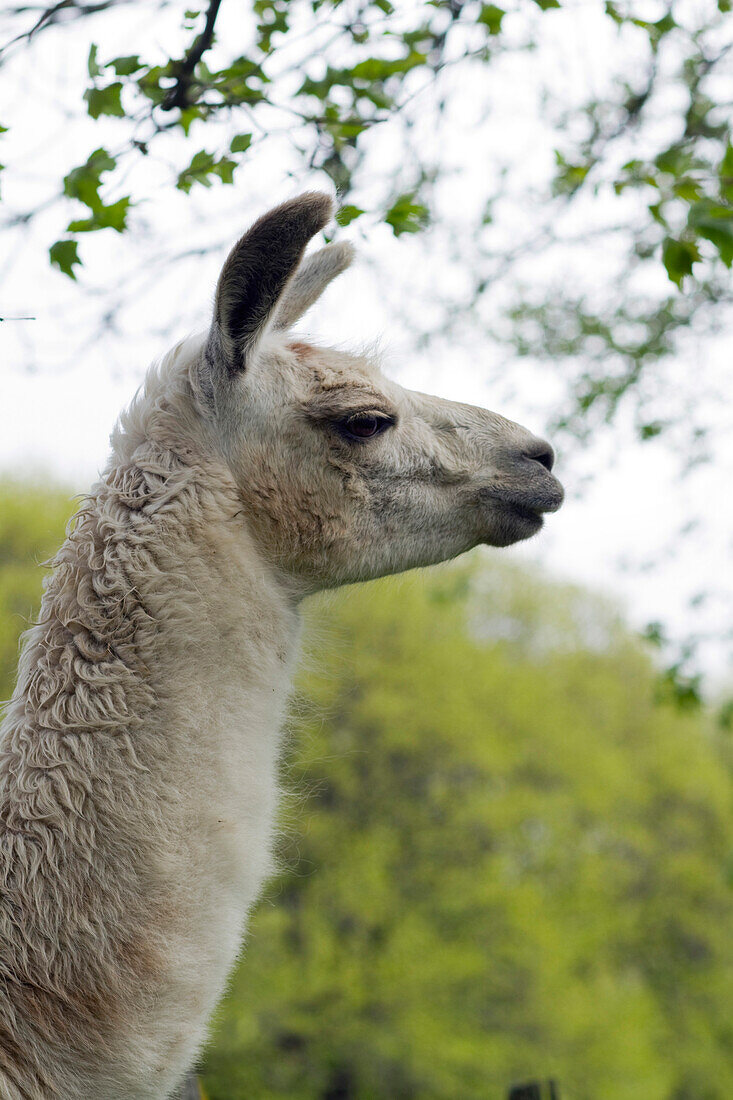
(139, 754)
(158, 603)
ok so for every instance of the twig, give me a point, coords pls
(178, 95)
(64, 10)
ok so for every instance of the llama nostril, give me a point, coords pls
(540, 451)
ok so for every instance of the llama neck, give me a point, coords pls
(140, 754)
(226, 641)
(159, 599)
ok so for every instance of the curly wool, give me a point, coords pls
(96, 768)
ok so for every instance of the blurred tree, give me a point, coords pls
(32, 521)
(507, 861)
(501, 856)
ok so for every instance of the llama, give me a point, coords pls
(138, 756)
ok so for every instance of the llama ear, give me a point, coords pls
(310, 281)
(255, 274)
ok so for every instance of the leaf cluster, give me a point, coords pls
(680, 189)
(675, 194)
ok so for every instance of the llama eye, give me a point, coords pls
(364, 425)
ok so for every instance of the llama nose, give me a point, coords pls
(539, 450)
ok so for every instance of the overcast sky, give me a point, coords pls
(63, 382)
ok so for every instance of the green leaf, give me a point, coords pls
(687, 189)
(650, 431)
(348, 214)
(678, 258)
(662, 26)
(202, 167)
(224, 169)
(188, 117)
(105, 101)
(274, 20)
(149, 84)
(679, 688)
(63, 256)
(83, 183)
(491, 17)
(545, 4)
(344, 130)
(125, 66)
(673, 161)
(367, 79)
(407, 216)
(655, 209)
(378, 68)
(113, 216)
(654, 633)
(92, 66)
(236, 83)
(240, 143)
(569, 176)
(726, 174)
(725, 722)
(714, 222)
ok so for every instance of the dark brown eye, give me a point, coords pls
(364, 425)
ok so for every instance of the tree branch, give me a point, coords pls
(178, 95)
(64, 11)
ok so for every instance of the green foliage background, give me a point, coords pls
(501, 857)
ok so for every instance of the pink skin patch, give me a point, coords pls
(303, 351)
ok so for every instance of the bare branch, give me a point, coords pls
(178, 95)
(64, 11)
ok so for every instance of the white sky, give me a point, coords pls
(61, 388)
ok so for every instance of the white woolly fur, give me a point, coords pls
(138, 756)
(138, 768)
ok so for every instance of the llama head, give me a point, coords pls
(345, 475)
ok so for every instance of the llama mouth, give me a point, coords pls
(533, 502)
(527, 515)
(517, 516)
(508, 523)
(528, 520)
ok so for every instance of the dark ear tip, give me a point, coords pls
(313, 207)
(296, 220)
(258, 268)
